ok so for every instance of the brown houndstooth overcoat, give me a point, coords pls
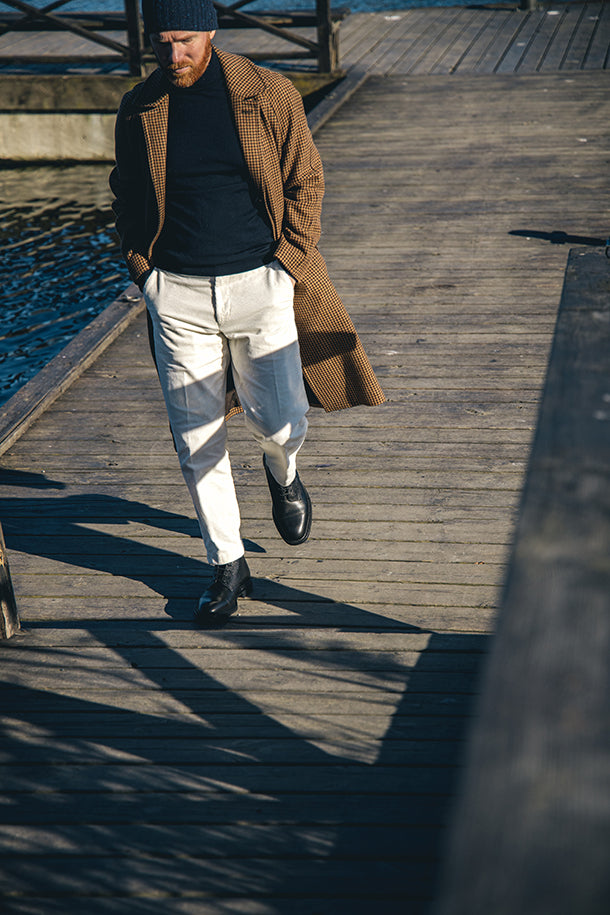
(287, 172)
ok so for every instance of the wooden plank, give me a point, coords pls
(383, 658)
(170, 505)
(301, 639)
(581, 40)
(248, 877)
(539, 761)
(105, 807)
(182, 573)
(405, 441)
(139, 560)
(330, 434)
(215, 774)
(472, 29)
(196, 904)
(365, 459)
(409, 26)
(187, 711)
(51, 538)
(419, 55)
(427, 608)
(482, 55)
(540, 44)
(379, 840)
(599, 47)
(569, 17)
(104, 737)
(514, 54)
(248, 747)
(363, 38)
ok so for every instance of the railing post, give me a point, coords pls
(328, 38)
(135, 36)
(9, 618)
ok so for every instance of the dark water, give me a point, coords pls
(60, 263)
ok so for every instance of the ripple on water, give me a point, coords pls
(61, 263)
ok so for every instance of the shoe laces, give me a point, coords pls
(224, 572)
(292, 491)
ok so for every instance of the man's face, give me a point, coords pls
(183, 56)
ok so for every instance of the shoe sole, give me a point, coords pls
(246, 589)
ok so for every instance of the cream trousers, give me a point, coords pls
(201, 325)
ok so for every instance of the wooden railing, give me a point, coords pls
(532, 825)
(45, 18)
(136, 53)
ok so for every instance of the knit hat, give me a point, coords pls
(179, 16)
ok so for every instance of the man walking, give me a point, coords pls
(218, 191)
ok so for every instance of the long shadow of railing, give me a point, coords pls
(159, 774)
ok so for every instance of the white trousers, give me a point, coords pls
(200, 326)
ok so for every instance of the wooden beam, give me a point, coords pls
(532, 829)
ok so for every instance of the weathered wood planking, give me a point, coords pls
(572, 36)
(308, 753)
(533, 828)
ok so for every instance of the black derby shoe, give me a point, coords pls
(291, 509)
(219, 601)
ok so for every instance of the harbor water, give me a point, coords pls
(60, 263)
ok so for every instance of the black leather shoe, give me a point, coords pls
(291, 509)
(219, 601)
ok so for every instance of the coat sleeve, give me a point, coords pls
(303, 185)
(128, 184)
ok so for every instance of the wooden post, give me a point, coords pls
(328, 38)
(9, 618)
(135, 36)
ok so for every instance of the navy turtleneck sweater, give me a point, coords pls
(212, 226)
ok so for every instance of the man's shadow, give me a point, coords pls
(366, 809)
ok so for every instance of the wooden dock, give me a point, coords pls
(304, 760)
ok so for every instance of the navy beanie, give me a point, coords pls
(179, 16)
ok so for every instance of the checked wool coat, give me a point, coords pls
(287, 173)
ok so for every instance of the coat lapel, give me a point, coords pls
(154, 115)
